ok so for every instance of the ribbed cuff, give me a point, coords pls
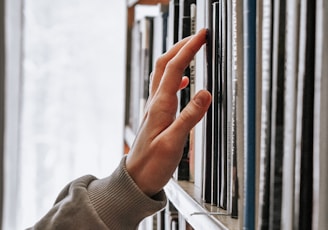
(119, 201)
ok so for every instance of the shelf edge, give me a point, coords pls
(131, 3)
(191, 210)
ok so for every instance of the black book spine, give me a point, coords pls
(216, 117)
(183, 170)
(208, 119)
(306, 191)
(277, 116)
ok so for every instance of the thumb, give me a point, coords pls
(193, 112)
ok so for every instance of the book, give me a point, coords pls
(299, 113)
(200, 71)
(223, 102)
(146, 62)
(207, 174)
(229, 106)
(304, 124)
(134, 89)
(291, 61)
(185, 31)
(234, 131)
(265, 141)
(159, 37)
(192, 86)
(249, 112)
(320, 132)
(216, 103)
(277, 114)
(171, 217)
(173, 23)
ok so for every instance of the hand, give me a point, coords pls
(158, 146)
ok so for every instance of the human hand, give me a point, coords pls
(158, 146)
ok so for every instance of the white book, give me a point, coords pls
(229, 105)
(291, 64)
(265, 136)
(299, 111)
(320, 143)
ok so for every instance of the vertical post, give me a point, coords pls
(2, 104)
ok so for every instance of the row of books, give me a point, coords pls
(261, 150)
(290, 59)
(151, 36)
(218, 176)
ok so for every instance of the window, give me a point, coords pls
(72, 100)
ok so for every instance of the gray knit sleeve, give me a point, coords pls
(112, 203)
(119, 201)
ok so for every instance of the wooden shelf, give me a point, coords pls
(187, 199)
(132, 3)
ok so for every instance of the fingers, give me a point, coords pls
(184, 83)
(191, 114)
(161, 63)
(176, 66)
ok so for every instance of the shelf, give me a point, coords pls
(187, 199)
(132, 3)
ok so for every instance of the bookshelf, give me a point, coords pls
(185, 195)
(200, 215)
(259, 155)
(187, 198)
(132, 3)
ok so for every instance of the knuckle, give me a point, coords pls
(160, 62)
(166, 144)
(173, 65)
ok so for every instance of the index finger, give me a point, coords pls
(162, 61)
(174, 69)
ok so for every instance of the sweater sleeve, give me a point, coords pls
(114, 202)
(119, 201)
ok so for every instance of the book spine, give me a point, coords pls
(277, 114)
(265, 141)
(184, 170)
(223, 104)
(320, 145)
(229, 105)
(291, 60)
(304, 118)
(234, 75)
(207, 189)
(192, 83)
(249, 112)
(216, 138)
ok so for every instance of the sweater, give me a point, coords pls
(114, 202)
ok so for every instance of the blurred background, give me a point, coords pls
(71, 106)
